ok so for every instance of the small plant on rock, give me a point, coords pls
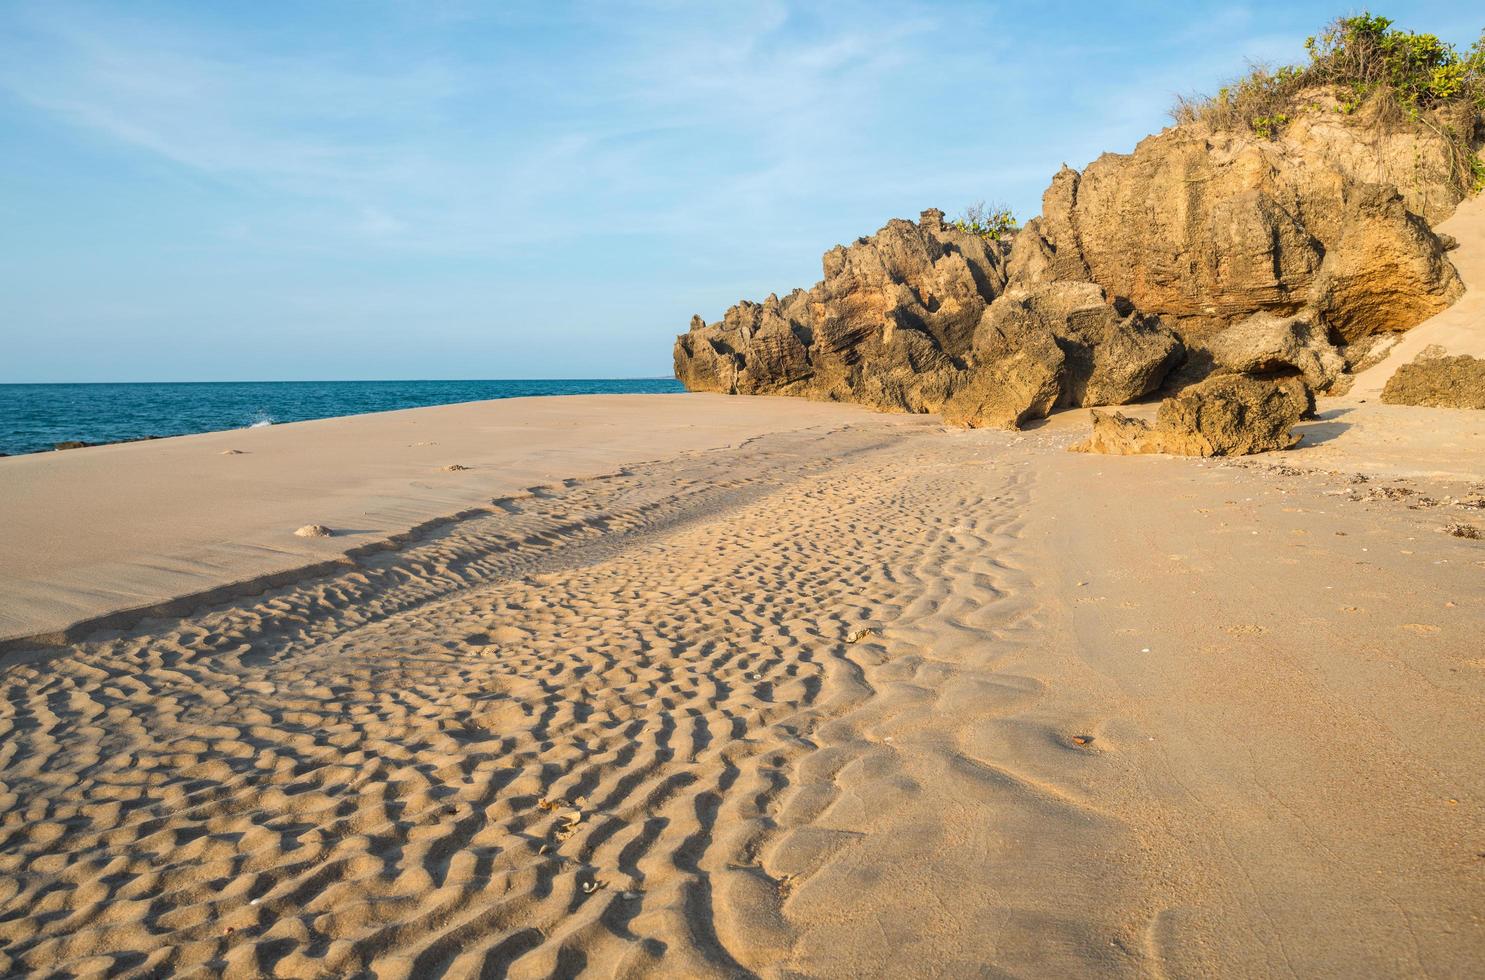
(1270, 126)
(993, 221)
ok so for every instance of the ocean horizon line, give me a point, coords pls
(46, 415)
(341, 381)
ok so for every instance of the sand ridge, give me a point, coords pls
(572, 735)
(128, 528)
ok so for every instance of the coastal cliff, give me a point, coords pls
(1273, 246)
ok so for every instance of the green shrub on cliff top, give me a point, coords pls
(1361, 58)
(993, 222)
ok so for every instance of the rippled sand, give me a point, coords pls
(885, 700)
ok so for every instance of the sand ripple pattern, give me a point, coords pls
(626, 726)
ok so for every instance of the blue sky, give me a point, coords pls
(447, 189)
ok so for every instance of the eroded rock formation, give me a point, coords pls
(1058, 344)
(890, 324)
(1201, 252)
(918, 318)
(1435, 379)
(1225, 415)
(1206, 228)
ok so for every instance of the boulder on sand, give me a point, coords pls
(1226, 415)
(1266, 344)
(1436, 380)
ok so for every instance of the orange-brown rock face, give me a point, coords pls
(1205, 228)
(1225, 415)
(1202, 250)
(890, 324)
(1058, 344)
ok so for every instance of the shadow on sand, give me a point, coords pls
(1324, 427)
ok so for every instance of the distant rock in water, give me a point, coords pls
(1437, 380)
(1204, 251)
(79, 444)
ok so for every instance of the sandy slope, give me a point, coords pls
(1293, 649)
(90, 532)
(1460, 329)
(1117, 716)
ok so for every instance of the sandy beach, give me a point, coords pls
(785, 491)
(699, 686)
(128, 528)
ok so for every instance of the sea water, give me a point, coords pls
(35, 417)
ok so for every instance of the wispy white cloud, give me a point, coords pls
(515, 166)
(438, 139)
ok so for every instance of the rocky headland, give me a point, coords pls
(1279, 249)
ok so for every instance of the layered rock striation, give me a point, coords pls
(890, 325)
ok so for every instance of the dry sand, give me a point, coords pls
(91, 532)
(851, 696)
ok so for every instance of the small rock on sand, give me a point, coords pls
(314, 531)
(455, 468)
(231, 452)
